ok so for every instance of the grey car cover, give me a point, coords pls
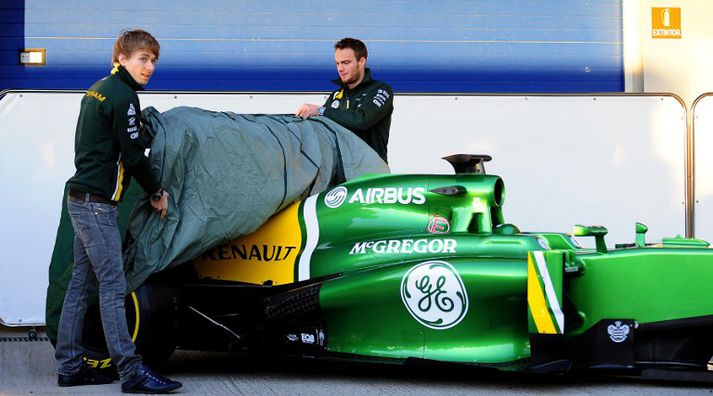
(227, 173)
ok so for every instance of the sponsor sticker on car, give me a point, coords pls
(438, 225)
(407, 246)
(618, 332)
(373, 195)
(434, 294)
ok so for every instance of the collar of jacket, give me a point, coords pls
(364, 81)
(123, 74)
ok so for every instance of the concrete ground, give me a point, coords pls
(28, 368)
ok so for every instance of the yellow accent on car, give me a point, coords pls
(268, 255)
(98, 364)
(106, 363)
(138, 316)
(537, 302)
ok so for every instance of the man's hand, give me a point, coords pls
(161, 205)
(307, 110)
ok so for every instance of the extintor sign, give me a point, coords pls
(665, 23)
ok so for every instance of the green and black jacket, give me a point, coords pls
(365, 110)
(108, 150)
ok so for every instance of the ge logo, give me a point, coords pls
(434, 294)
(336, 197)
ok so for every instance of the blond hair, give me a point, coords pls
(133, 40)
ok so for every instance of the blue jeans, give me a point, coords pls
(97, 263)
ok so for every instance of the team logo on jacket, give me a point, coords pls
(618, 332)
(434, 295)
(336, 197)
(133, 132)
(131, 111)
(380, 98)
(335, 104)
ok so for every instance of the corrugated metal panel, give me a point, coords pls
(12, 37)
(417, 46)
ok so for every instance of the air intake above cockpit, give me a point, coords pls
(468, 163)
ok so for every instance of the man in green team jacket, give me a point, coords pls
(108, 151)
(361, 104)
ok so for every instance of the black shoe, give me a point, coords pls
(146, 381)
(85, 376)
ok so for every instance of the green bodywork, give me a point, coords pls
(364, 310)
(425, 266)
(366, 316)
(650, 284)
(366, 313)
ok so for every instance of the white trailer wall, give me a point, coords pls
(702, 124)
(610, 160)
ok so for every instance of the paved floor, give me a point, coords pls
(27, 368)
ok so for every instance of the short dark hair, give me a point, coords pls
(357, 45)
(132, 40)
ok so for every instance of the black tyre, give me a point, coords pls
(151, 319)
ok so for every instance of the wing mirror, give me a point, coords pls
(597, 232)
(641, 229)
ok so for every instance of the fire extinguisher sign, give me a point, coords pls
(665, 23)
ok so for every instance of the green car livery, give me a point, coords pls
(393, 268)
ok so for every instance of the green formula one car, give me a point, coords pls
(394, 268)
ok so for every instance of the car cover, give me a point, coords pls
(226, 174)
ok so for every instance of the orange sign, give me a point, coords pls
(665, 23)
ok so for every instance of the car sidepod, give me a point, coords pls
(467, 310)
